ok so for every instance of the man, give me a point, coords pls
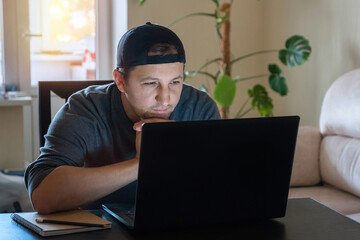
(91, 151)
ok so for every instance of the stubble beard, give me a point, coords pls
(152, 114)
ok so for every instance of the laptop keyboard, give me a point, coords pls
(128, 216)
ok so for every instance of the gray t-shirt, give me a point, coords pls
(92, 130)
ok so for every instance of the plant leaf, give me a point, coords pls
(142, 2)
(276, 81)
(274, 69)
(216, 2)
(297, 51)
(261, 100)
(224, 91)
(204, 65)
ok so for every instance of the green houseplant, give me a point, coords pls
(297, 50)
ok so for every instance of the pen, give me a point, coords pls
(41, 220)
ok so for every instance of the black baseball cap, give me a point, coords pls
(134, 45)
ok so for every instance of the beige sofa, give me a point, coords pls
(327, 160)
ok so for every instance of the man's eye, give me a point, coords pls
(149, 83)
(175, 82)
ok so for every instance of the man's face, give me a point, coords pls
(151, 91)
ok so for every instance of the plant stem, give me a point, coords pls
(225, 62)
(252, 54)
(207, 63)
(204, 73)
(252, 77)
(190, 15)
(246, 112)
(217, 76)
(223, 112)
(242, 108)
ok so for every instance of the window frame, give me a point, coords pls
(16, 44)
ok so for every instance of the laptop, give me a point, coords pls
(211, 172)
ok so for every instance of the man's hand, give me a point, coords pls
(138, 128)
(137, 144)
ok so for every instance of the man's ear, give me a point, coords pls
(119, 80)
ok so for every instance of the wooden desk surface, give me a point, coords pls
(305, 219)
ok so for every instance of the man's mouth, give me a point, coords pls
(161, 110)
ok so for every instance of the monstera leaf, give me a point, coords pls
(297, 51)
(261, 100)
(276, 81)
(224, 92)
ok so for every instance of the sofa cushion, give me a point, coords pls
(306, 171)
(340, 112)
(336, 199)
(340, 163)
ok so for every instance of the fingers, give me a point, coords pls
(138, 126)
(138, 144)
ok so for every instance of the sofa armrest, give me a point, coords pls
(306, 167)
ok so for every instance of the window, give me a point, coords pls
(19, 31)
(63, 46)
(37, 46)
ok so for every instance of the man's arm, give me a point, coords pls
(68, 187)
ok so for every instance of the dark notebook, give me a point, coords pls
(209, 172)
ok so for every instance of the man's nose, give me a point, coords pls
(163, 96)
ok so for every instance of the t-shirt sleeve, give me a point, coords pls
(65, 143)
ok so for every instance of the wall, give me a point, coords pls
(332, 28)
(15, 133)
(11, 134)
(330, 25)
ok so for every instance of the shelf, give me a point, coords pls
(13, 102)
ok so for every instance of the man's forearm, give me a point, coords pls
(69, 187)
